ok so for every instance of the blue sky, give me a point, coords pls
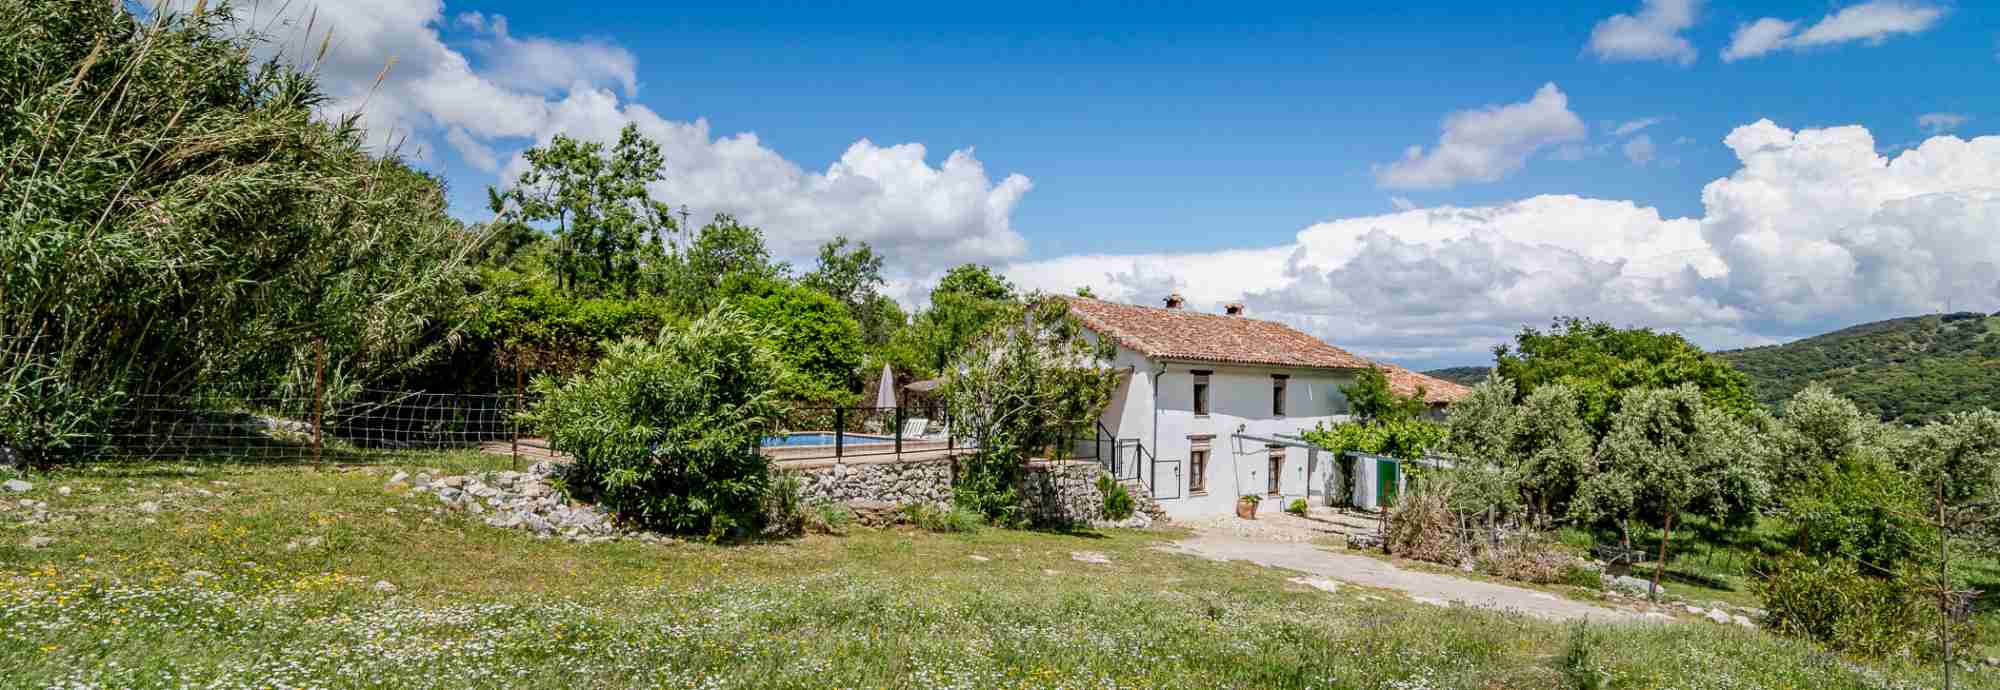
(1415, 183)
(1150, 127)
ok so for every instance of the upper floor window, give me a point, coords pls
(1278, 394)
(1201, 393)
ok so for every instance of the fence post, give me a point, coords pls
(839, 432)
(520, 399)
(899, 427)
(319, 395)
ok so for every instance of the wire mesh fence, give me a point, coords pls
(304, 428)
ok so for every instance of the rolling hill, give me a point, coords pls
(1908, 370)
(1464, 376)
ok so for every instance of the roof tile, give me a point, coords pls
(1185, 334)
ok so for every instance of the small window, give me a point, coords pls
(1278, 395)
(1198, 470)
(1201, 394)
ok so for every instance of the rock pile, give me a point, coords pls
(520, 500)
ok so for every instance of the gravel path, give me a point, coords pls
(1424, 587)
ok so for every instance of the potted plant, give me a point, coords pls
(1246, 507)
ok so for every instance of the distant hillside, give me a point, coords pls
(1907, 370)
(1465, 376)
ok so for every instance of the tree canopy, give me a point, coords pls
(1601, 362)
(607, 227)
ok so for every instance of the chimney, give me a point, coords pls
(1174, 301)
(1233, 309)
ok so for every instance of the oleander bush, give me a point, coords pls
(665, 432)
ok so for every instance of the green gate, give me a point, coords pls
(1386, 474)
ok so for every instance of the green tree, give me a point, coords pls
(848, 275)
(723, 250)
(178, 220)
(1669, 454)
(854, 276)
(1554, 447)
(665, 433)
(1371, 398)
(607, 227)
(1601, 362)
(967, 303)
(975, 281)
(812, 334)
(1016, 393)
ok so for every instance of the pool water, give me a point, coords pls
(822, 438)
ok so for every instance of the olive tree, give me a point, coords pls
(1018, 391)
(1538, 450)
(1669, 454)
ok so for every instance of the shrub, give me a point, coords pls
(1297, 507)
(1531, 559)
(1830, 601)
(1580, 575)
(1580, 667)
(181, 221)
(784, 505)
(932, 518)
(1422, 526)
(1118, 503)
(828, 518)
(665, 433)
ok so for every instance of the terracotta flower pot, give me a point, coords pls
(1246, 510)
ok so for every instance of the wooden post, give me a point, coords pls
(1660, 569)
(520, 399)
(319, 395)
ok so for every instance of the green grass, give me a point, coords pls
(294, 554)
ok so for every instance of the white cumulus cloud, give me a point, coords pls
(500, 91)
(1814, 230)
(1487, 144)
(1654, 33)
(889, 196)
(1872, 22)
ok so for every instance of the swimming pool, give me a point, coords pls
(823, 438)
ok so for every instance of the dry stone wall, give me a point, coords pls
(1060, 493)
(925, 482)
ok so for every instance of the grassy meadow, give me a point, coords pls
(166, 575)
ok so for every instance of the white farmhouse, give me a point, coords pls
(1210, 405)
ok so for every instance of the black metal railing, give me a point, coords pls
(841, 433)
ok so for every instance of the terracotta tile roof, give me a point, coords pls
(1436, 390)
(1185, 334)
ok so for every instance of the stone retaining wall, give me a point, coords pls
(1062, 493)
(907, 482)
(1052, 493)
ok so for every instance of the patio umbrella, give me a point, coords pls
(885, 394)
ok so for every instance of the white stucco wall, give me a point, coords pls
(1239, 403)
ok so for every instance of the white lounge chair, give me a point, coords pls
(915, 428)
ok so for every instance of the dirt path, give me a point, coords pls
(1424, 587)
